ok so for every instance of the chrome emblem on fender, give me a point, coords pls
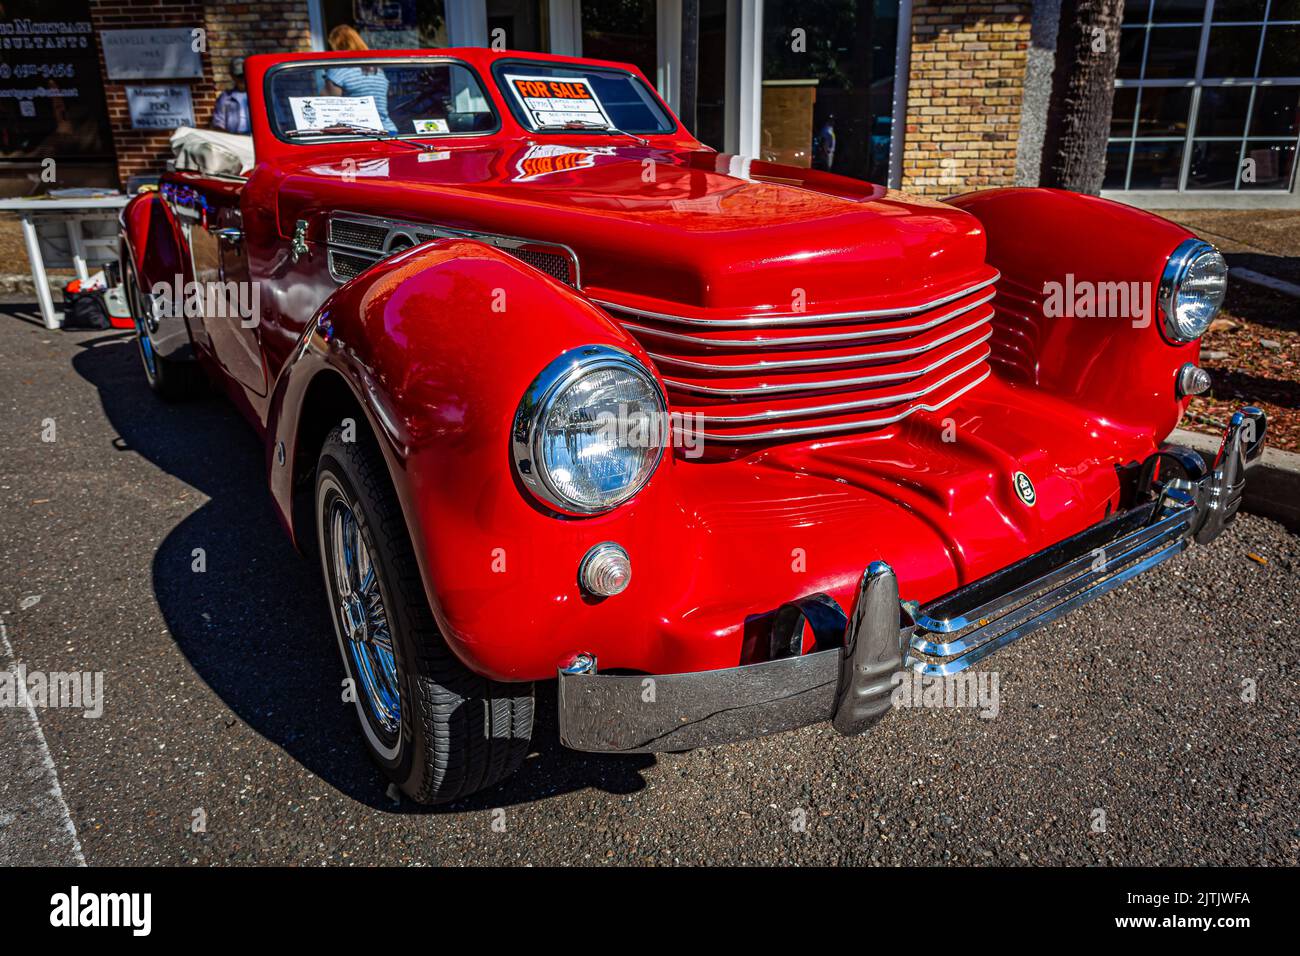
(1024, 488)
(298, 248)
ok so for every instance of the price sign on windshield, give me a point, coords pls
(555, 101)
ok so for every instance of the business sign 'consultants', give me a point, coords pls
(151, 54)
(51, 95)
(159, 107)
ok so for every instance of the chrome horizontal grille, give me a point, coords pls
(769, 378)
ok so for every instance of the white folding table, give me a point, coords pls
(77, 232)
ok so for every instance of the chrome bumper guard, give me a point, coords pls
(849, 675)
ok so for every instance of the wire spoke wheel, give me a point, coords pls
(362, 618)
(435, 728)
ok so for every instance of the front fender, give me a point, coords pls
(1056, 248)
(438, 345)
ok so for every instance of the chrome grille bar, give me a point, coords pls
(797, 319)
(765, 366)
(841, 407)
(778, 434)
(818, 386)
(759, 342)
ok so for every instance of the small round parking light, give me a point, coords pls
(605, 570)
(1192, 380)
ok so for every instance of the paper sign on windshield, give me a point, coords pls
(322, 112)
(554, 101)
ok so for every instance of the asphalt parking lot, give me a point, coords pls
(1122, 735)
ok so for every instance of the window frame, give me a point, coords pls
(1197, 84)
(336, 62)
(516, 113)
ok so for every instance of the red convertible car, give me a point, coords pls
(726, 447)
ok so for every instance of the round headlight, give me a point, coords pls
(590, 430)
(1192, 288)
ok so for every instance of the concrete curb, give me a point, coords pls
(1272, 484)
(21, 283)
(1265, 281)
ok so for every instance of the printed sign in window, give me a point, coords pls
(322, 112)
(159, 107)
(555, 101)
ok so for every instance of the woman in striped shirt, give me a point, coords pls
(358, 80)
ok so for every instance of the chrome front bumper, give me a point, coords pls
(850, 674)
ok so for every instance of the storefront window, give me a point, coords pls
(520, 24)
(51, 95)
(391, 24)
(711, 84)
(828, 84)
(623, 30)
(1208, 96)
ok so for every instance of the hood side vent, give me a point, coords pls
(357, 242)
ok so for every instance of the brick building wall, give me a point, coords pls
(233, 28)
(966, 88)
(244, 27)
(142, 151)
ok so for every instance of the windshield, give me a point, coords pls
(550, 97)
(353, 98)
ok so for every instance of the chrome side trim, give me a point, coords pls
(766, 366)
(780, 433)
(845, 406)
(821, 386)
(762, 343)
(797, 319)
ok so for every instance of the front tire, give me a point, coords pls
(438, 730)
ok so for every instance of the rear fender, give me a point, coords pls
(154, 241)
(155, 255)
(1056, 249)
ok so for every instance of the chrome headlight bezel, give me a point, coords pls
(535, 406)
(1177, 267)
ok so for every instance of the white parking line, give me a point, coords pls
(37, 805)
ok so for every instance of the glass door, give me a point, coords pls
(828, 85)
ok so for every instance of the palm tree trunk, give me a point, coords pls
(1083, 91)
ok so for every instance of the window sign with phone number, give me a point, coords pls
(552, 101)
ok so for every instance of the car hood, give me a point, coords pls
(697, 228)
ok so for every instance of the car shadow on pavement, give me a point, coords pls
(253, 624)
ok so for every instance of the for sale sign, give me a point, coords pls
(557, 101)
